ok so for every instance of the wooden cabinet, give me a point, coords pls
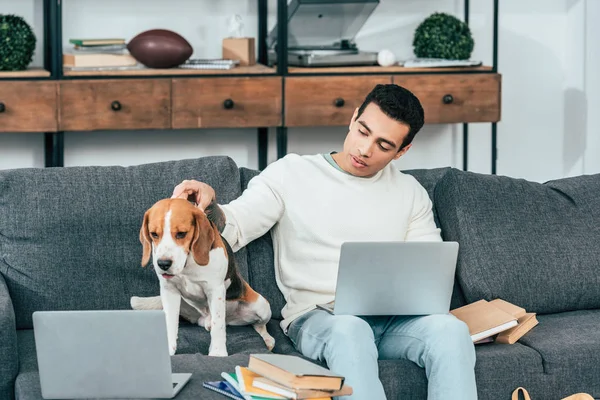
(226, 102)
(455, 98)
(326, 100)
(115, 104)
(28, 106)
(235, 101)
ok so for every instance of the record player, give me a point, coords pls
(321, 33)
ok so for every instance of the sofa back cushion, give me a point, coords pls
(533, 244)
(69, 237)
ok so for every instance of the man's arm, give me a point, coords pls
(252, 214)
(422, 225)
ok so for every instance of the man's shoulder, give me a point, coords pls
(404, 178)
(292, 161)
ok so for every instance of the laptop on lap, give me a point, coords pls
(104, 354)
(394, 278)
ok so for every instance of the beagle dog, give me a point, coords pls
(198, 276)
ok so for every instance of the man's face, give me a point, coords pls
(372, 142)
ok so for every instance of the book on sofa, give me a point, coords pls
(484, 319)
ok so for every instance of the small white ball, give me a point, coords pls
(385, 58)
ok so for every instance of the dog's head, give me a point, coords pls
(174, 229)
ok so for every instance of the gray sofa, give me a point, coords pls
(69, 241)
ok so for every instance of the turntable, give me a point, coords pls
(321, 33)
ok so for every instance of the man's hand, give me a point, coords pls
(198, 192)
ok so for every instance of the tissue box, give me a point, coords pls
(240, 49)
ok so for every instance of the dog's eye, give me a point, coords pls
(180, 235)
(154, 235)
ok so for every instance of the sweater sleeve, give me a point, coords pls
(259, 207)
(421, 225)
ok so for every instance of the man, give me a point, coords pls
(315, 203)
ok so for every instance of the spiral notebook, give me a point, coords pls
(196, 63)
(224, 388)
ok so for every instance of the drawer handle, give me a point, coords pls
(448, 99)
(115, 105)
(2, 107)
(339, 102)
(228, 104)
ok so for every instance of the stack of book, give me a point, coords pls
(496, 320)
(97, 54)
(277, 376)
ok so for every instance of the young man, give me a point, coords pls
(315, 203)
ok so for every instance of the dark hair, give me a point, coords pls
(400, 104)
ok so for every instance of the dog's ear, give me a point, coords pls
(204, 237)
(145, 240)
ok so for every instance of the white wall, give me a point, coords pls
(546, 58)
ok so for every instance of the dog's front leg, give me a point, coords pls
(217, 307)
(171, 300)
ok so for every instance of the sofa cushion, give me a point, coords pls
(569, 344)
(69, 237)
(261, 264)
(533, 244)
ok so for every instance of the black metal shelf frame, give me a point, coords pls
(54, 141)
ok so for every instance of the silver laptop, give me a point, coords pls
(104, 354)
(394, 278)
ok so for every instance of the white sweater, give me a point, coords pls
(313, 208)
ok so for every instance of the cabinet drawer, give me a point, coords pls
(115, 104)
(28, 107)
(326, 100)
(454, 98)
(226, 102)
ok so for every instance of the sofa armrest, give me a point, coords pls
(9, 367)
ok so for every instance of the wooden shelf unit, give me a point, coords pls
(53, 100)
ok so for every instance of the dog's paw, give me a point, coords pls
(172, 350)
(133, 302)
(218, 352)
(269, 341)
(205, 322)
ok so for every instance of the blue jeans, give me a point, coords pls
(352, 345)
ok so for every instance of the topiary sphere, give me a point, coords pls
(17, 43)
(443, 36)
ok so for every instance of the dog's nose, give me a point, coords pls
(164, 263)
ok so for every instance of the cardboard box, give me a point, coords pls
(241, 49)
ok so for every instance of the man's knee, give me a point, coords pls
(348, 330)
(449, 336)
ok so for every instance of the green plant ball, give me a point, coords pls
(17, 43)
(443, 36)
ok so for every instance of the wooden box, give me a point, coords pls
(241, 49)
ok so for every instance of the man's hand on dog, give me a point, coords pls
(198, 192)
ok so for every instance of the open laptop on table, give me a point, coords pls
(104, 354)
(394, 278)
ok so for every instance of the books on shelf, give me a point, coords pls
(97, 41)
(97, 53)
(78, 60)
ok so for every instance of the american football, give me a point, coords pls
(160, 48)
